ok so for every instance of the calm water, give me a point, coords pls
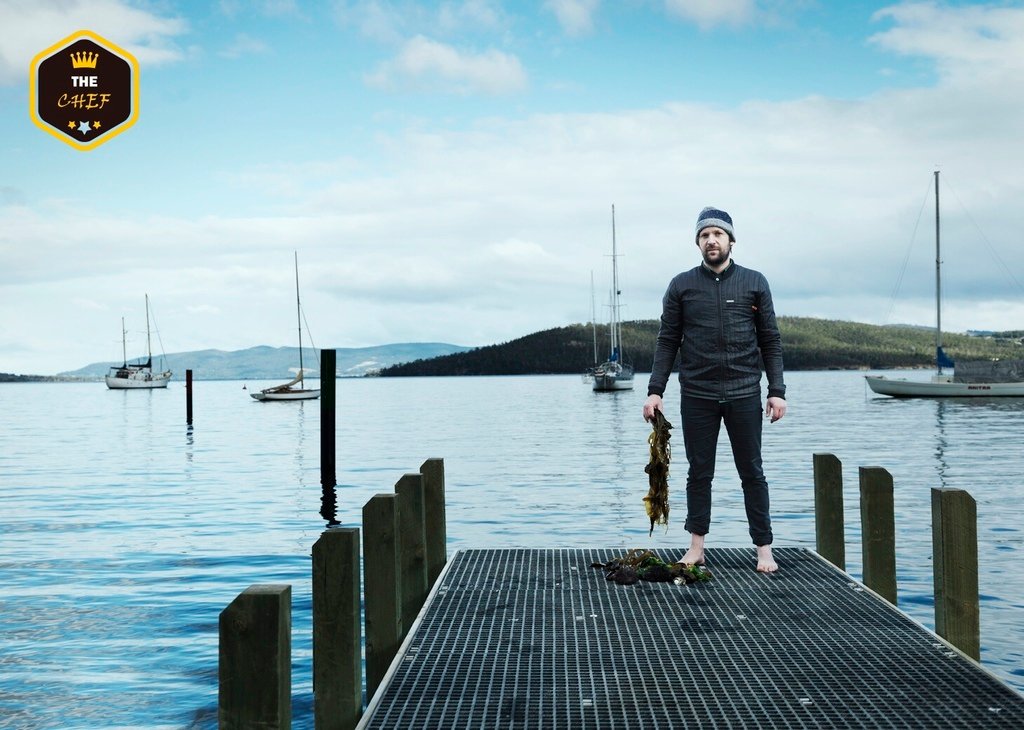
(123, 533)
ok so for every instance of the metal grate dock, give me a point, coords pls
(539, 639)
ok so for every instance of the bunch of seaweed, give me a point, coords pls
(656, 501)
(639, 564)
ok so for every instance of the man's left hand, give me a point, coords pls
(776, 408)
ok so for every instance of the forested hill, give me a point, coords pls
(808, 344)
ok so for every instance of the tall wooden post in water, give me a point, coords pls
(328, 383)
(188, 397)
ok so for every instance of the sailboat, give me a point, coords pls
(140, 375)
(294, 389)
(614, 374)
(988, 378)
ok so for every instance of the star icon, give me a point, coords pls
(95, 125)
(71, 125)
(84, 128)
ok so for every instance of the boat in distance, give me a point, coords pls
(140, 375)
(613, 374)
(979, 378)
(941, 386)
(289, 391)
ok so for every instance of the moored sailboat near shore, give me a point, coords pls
(140, 375)
(989, 378)
(289, 391)
(614, 373)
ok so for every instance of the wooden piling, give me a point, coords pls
(829, 526)
(255, 670)
(381, 587)
(878, 531)
(412, 560)
(328, 388)
(434, 517)
(188, 397)
(337, 633)
(955, 566)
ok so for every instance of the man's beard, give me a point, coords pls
(721, 254)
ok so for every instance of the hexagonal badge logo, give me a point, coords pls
(84, 90)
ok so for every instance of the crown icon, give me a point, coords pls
(84, 59)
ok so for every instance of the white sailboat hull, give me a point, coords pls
(295, 394)
(292, 390)
(607, 383)
(607, 378)
(137, 379)
(941, 387)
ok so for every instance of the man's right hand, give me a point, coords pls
(652, 404)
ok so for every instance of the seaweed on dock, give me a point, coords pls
(638, 564)
(656, 501)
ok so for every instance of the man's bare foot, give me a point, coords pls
(765, 562)
(693, 556)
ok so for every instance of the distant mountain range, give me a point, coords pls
(257, 363)
(808, 344)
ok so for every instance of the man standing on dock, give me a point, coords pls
(720, 315)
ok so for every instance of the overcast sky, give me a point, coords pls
(446, 171)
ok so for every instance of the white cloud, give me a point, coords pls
(392, 21)
(575, 16)
(710, 13)
(269, 8)
(471, 15)
(31, 26)
(381, 21)
(244, 45)
(425, 64)
(968, 44)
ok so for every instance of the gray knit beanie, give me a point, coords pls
(714, 217)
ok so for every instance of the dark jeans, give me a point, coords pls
(702, 419)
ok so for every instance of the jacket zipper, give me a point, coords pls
(721, 340)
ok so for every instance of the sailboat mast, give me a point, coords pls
(593, 314)
(938, 283)
(149, 348)
(298, 310)
(124, 344)
(615, 293)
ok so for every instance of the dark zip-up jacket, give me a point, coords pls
(724, 325)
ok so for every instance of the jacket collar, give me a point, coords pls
(725, 273)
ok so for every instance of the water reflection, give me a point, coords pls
(329, 497)
(300, 448)
(941, 443)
